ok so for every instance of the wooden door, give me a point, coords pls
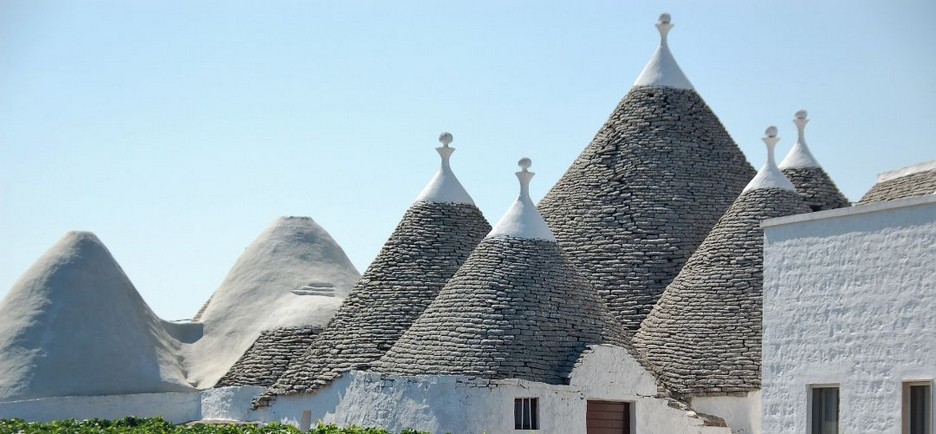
(608, 417)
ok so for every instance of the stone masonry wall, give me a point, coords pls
(424, 251)
(816, 188)
(914, 184)
(642, 196)
(269, 356)
(516, 309)
(703, 337)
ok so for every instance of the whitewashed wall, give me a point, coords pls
(742, 413)
(465, 405)
(849, 299)
(231, 403)
(176, 407)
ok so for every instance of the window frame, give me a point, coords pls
(523, 406)
(811, 394)
(905, 407)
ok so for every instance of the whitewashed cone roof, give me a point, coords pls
(74, 325)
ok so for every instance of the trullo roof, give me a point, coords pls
(516, 309)
(74, 325)
(642, 196)
(294, 273)
(916, 180)
(810, 180)
(431, 241)
(703, 337)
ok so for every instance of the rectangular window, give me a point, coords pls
(917, 407)
(526, 413)
(825, 410)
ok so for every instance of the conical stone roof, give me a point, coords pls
(916, 180)
(641, 197)
(74, 325)
(433, 239)
(810, 180)
(269, 356)
(294, 273)
(703, 337)
(516, 309)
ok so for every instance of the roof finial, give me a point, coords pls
(524, 175)
(770, 175)
(664, 25)
(445, 139)
(771, 140)
(662, 69)
(445, 187)
(799, 156)
(801, 122)
(522, 220)
(445, 151)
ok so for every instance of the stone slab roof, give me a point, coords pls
(425, 250)
(516, 309)
(703, 337)
(642, 196)
(268, 357)
(910, 185)
(816, 188)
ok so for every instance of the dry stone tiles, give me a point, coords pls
(703, 337)
(516, 309)
(424, 251)
(642, 196)
(268, 357)
(816, 188)
(911, 185)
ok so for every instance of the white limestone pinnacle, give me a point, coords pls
(444, 186)
(523, 220)
(662, 69)
(799, 156)
(770, 175)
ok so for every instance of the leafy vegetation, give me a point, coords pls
(135, 425)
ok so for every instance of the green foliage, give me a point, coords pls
(135, 425)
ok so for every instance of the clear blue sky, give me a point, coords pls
(178, 130)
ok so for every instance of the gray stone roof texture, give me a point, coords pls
(816, 188)
(269, 356)
(642, 196)
(516, 309)
(425, 250)
(914, 184)
(703, 337)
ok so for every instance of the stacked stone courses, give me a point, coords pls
(703, 337)
(816, 188)
(268, 357)
(914, 184)
(642, 196)
(516, 309)
(425, 250)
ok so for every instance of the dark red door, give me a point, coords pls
(608, 417)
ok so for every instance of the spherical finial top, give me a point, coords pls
(801, 114)
(771, 131)
(525, 163)
(445, 139)
(664, 18)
